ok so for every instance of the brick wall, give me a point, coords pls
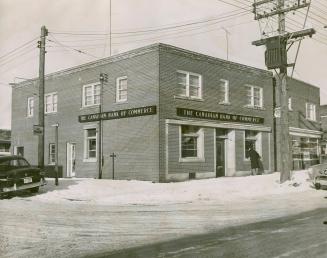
(211, 69)
(301, 93)
(134, 140)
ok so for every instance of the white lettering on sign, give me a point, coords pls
(133, 112)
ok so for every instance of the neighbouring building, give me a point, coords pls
(5, 141)
(305, 124)
(323, 117)
(168, 114)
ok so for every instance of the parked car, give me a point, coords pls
(17, 174)
(318, 175)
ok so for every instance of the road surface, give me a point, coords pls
(60, 222)
(300, 236)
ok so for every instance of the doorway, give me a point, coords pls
(221, 136)
(19, 151)
(71, 159)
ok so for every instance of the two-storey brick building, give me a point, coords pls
(167, 113)
(304, 122)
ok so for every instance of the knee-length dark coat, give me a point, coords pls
(255, 158)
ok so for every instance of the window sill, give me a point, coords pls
(92, 106)
(120, 102)
(50, 113)
(89, 160)
(254, 107)
(188, 98)
(224, 103)
(191, 159)
(315, 121)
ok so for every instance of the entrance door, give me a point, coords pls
(71, 159)
(20, 151)
(220, 157)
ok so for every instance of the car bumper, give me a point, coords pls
(23, 187)
(322, 180)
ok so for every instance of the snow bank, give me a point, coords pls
(123, 192)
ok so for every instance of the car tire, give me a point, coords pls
(317, 186)
(4, 196)
(35, 189)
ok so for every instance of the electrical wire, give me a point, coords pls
(180, 34)
(12, 51)
(158, 29)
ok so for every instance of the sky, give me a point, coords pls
(79, 33)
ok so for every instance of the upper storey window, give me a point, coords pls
(51, 100)
(30, 106)
(189, 84)
(223, 91)
(311, 111)
(91, 95)
(254, 96)
(121, 89)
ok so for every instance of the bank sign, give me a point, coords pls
(184, 112)
(124, 113)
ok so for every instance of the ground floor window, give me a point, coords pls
(191, 142)
(52, 154)
(305, 152)
(323, 154)
(5, 147)
(90, 151)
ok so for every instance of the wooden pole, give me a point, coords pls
(44, 33)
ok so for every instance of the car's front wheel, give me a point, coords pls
(34, 189)
(317, 186)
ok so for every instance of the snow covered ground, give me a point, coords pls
(85, 216)
(218, 190)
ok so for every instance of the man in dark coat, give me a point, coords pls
(255, 160)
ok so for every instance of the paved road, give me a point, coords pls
(300, 236)
(65, 226)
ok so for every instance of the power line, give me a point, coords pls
(26, 43)
(179, 34)
(228, 14)
(235, 5)
(179, 30)
(74, 49)
(14, 58)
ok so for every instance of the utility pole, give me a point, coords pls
(103, 78)
(56, 126)
(281, 87)
(41, 45)
(276, 58)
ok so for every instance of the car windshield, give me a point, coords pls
(11, 164)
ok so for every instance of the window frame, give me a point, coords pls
(187, 86)
(53, 105)
(313, 111)
(87, 158)
(226, 91)
(52, 155)
(30, 108)
(290, 107)
(200, 145)
(252, 104)
(92, 85)
(118, 90)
